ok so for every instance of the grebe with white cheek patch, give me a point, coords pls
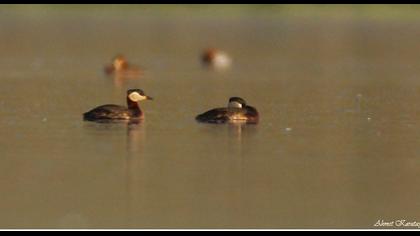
(237, 111)
(116, 112)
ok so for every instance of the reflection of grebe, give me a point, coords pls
(236, 111)
(115, 112)
(216, 59)
(121, 68)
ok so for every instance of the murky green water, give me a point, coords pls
(337, 145)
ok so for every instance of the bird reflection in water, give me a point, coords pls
(238, 133)
(131, 159)
(133, 168)
(135, 137)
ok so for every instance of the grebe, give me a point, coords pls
(216, 59)
(121, 67)
(115, 112)
(236, 111)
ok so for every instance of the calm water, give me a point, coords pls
(337, 145)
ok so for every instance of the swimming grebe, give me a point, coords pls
(121, 67)
(115, 112)
(236, 111)
(216, 59)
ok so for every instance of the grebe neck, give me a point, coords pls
(133, 106)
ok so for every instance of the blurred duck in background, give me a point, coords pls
(120, 67)
(216, 59)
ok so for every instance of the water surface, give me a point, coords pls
(337, 145)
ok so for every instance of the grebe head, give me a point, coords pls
(120, 62)
(236, 102)
(137, 95)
